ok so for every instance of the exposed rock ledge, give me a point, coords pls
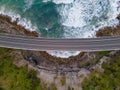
(74, 69)
(109, 31)
(43, 60)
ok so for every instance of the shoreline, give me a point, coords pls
(27, 32)
(14, 28)
(52, 69)
(109, 31)
(79, 61)
(8, 20)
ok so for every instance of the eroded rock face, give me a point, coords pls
(48, 62)
(109, 31)
(42, 58)
(75, 69)
(57, 65)
(6, 26)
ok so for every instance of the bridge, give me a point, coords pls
(42, 44)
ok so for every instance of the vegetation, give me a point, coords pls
(103, 53)
(69, 88)
(52, 87)
(107, 80)
(14, 78)
(63, 80)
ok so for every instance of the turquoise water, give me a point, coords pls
(63, 18)
(44, 15)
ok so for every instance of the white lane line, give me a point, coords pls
(72, 46)
(61, 40)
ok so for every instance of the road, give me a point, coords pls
(42, 44)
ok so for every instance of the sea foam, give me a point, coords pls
(79, 18)
(28, 4)
(82, 18)
(21, 21)
(60, 1)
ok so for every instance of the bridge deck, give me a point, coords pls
(42, 44)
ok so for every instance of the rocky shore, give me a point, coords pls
(6, 26)
(109, 31)
(52, 69)
(42, 58)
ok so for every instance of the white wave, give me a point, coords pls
(72, 16)
(82, 18)
(28, 4)
(21, 21)
(63, 54)
(60, 1)
(82, 13)
(114, 8)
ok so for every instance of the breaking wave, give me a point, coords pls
(63, 18)
(28, 4)
(21, 21)
(81, 19)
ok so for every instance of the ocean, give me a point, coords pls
(63, 18)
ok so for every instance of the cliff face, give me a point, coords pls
(109, 31)
(73, 68)
(6, 26)
(48, 67)
(43, 58)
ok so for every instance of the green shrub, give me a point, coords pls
(69, 88)
(63, 80)
(14, 78)
(53, 87)
(107, 80)
(103, 53)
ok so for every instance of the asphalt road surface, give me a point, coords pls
(42, 44)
